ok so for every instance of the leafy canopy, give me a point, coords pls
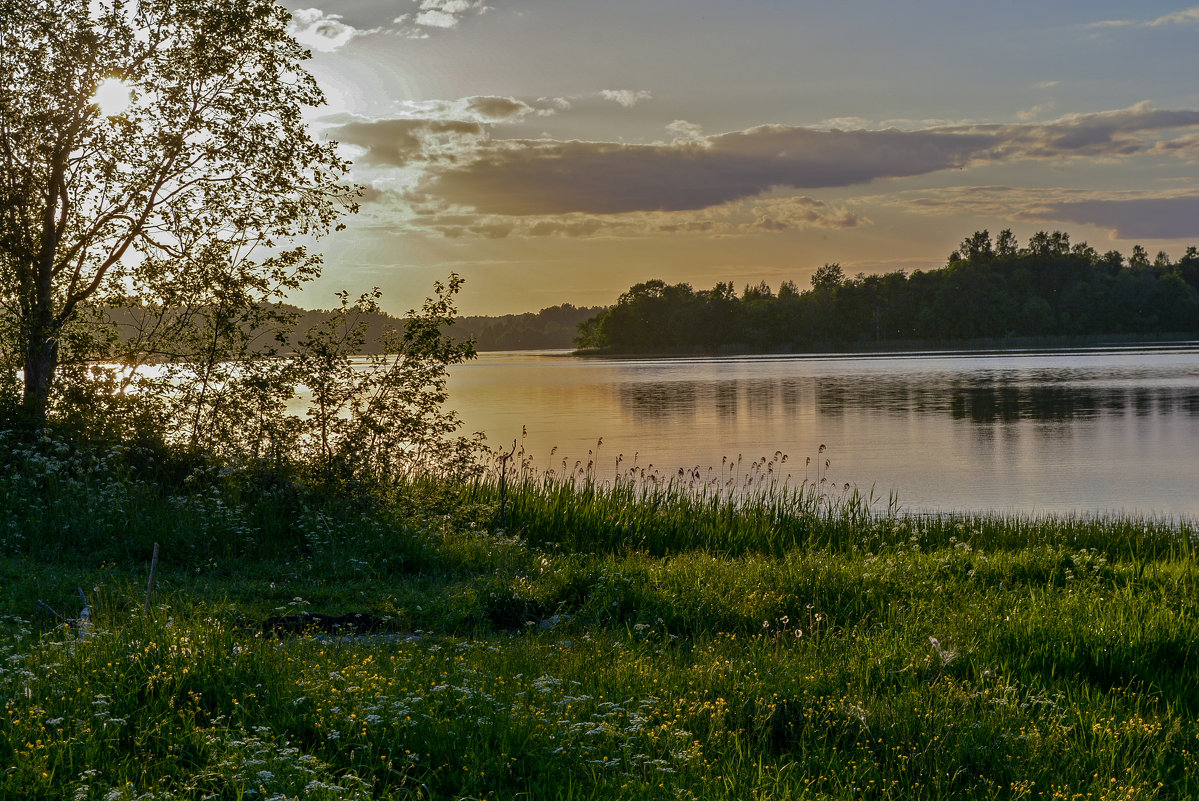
(185, 198)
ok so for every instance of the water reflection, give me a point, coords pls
(659, 400)
(983, 400)
(1028, 433)
(726, 399)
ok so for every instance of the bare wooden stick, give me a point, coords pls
(50, 609)
(150, 584)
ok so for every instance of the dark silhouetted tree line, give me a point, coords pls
(989, 290)
(554, 327)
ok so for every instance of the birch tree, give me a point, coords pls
(193, 187)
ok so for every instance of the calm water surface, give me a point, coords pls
(1081, 430)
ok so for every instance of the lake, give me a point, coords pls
(1088, 430)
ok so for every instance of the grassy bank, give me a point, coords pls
(632, 641)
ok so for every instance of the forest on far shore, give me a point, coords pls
(988, 290)
(548, 329)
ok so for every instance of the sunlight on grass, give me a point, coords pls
(623, 640)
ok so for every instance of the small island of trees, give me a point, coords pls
(990, 292)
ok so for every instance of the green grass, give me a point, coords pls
(790, 646)
(748, 511)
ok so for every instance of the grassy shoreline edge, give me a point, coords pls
(612, 642)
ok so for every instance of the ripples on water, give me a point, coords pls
(1086, 430)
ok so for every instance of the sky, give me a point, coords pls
(556, 151)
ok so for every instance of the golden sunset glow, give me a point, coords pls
(561, 152)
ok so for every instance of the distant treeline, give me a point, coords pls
(989, 290)
(550, 328)
(554, 327)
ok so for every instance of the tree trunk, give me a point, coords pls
(41, 362)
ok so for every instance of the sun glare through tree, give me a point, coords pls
(113, 96)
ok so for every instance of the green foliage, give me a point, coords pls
(382, 417)
(828, 277)
(371, 419)
(895, 658)
(993, 292)
(169, 203)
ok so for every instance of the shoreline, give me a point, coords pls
(1104, 343)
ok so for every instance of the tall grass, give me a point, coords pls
(754, 511)
(634, 639)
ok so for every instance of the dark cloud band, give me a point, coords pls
(539, 177)
(1133, 218)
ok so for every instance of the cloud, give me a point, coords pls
(442, 14)
(540, 177)
(689, 227)
(626, 97)
(316, 30)
(436, 18)
(843, 123)
(537, 177)
(372, 194)
(1107, 133)
(496, 109)
(441, 170)
(1035, 111)
(1189, 16)
(794, 213)
(1133, 218)
(492, 230)
(976, 201)
(570, 227)
(393, 209)
(429, 131)
(686, 131)
(1127, 214)
(479, 108)
(400, 143)
(1184, 147)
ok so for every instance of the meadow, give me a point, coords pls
(559, 638)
